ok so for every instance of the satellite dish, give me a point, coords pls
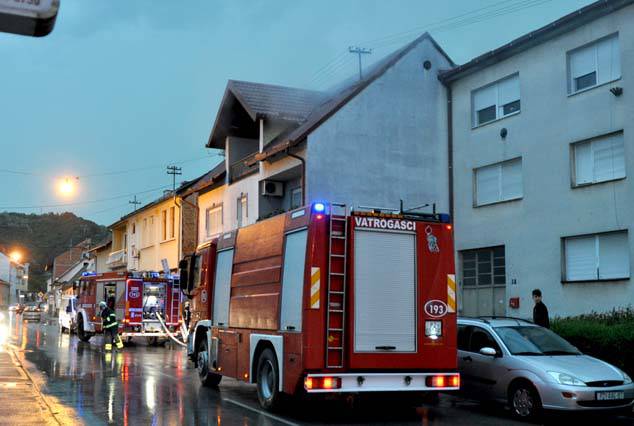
(35, 18)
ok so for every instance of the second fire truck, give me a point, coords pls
(321, 300)
(139, 298)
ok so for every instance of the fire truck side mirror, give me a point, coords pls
(183, 266)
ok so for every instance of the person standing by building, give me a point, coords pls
(540, 312)
(110, 326)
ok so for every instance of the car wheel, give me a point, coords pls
(524, 401)
(268, 378)
(207, 378)
(81, 333)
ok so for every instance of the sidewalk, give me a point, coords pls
(20, 401)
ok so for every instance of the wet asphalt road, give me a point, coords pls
(156, 385)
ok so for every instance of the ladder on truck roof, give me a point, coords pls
(175, 303)
(337, 268)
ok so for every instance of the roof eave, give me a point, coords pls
(554, 29)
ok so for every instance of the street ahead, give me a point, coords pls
(155, 385)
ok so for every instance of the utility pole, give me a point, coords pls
(134, 202)
(360, 51)
(173, 170)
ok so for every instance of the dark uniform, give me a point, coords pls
(540, 315)
(110, 326)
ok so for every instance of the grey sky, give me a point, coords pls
(129, 84)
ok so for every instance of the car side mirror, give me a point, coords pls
(487, 351)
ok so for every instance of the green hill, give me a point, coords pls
(42, 237)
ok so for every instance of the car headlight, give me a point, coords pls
(626, 378)
(566, 379)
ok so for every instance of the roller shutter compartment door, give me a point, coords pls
(384, 292)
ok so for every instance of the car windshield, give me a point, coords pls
(531, 340)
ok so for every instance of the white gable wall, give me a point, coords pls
(389, 142)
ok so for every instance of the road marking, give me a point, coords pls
(264, 413)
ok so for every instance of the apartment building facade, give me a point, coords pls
(542, 137)
(148, 237)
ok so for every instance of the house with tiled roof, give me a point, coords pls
(371, 141)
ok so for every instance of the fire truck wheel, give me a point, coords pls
(83, 336)
(268, 381)
(207, 378)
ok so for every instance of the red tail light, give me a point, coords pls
(322, 383)
(443, 381)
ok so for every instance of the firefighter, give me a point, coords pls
(110, 326)
(187, 314)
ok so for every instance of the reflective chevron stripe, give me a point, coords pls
(315, 284)
(451, 293)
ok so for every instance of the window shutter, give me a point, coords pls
(488, 184)
(614, 260)
(608, 158)
(512, 179)
(582, 62)
(581, 258)
(509, 90)
(583, 163)
(483, 98)
(608, 60)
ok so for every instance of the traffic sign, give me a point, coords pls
(28, 17)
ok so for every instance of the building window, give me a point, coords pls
(594, 64)
(172, 224)
(163, 225)
(213, 220)
(599, 160)
(499, 182)
(597, 257)
(145, 234)
(134, 228)
(242, 210)
(496, 100)
(296, 198)
(484, 267)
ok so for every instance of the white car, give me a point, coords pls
(531, 368)
(67, 314)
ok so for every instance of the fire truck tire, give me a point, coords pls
(268, 381)
(83, 336)
(207, 378)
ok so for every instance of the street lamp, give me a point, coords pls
(16, 256)
(66, 187)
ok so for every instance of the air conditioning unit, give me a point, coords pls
(272, 188)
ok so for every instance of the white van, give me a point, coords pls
(67, 314)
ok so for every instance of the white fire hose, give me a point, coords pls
(168, 332)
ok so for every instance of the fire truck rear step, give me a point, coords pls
(337, 253)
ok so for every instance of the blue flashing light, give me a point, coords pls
(88, 274)
(319, 207)
(445, 218)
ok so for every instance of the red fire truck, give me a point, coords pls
(139, 299)
(322, 300)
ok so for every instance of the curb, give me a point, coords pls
(54, 413)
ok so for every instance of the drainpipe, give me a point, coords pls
(303, 179)
(450, 150)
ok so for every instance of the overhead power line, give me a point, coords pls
(80, 203)
(331, 70)
(109, 173)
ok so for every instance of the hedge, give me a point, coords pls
(607, 336)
